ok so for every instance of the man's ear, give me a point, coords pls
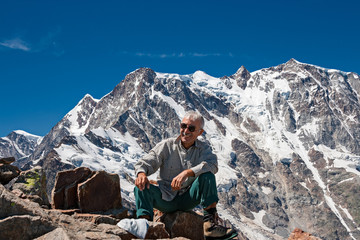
(201, 131)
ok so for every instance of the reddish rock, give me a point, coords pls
(299, 234)
(64, 193)
(70, 196)
(100, 192)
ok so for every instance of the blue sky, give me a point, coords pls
(52, 53)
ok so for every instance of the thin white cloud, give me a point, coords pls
(46, 44)
(16, 43)
(178, 55)
(206, 54)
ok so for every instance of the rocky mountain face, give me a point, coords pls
(18, 144)
(287, 139)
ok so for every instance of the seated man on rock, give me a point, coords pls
(186, 178)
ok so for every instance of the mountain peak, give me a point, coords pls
(26, 134)
(145, 74)
(241, 71)
(241, 76)
(86, 100)
(200, 75)
(293, 61)
(88, 96)
(142, 70)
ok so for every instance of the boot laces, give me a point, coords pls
(215, 219)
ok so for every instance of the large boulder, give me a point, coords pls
(7, 171)
(64, 193)
(11, 205)
(86, 190)
(31, 184)
(24, 227)
(21, 219)
(100, 192)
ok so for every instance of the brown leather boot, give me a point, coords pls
(212, 230)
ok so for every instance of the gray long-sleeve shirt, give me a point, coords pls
(172, 158)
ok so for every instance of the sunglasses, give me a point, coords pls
(190, 127)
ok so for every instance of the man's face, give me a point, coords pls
(187, 137)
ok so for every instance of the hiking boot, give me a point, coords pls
(212, 230)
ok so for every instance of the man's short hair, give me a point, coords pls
(193, 115)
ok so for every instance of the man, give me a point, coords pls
(186, 177)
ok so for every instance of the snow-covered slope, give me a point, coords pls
(287, 139)
(18, 144)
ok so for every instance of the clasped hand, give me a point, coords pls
(142, 181)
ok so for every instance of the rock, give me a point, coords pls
(7, 160)
(157, 231)
(184, 224)
(88, 191)
(118, 213)
(67, 211)
(11, 205)
(242, 76)
(299, 234)
(8, 172)
(96, 218)
(57, 234)
(33, 198)
(22, 219)
(24, 227)
(33, 184)
(101, 192)
(64, 193)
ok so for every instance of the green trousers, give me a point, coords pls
(202, 191)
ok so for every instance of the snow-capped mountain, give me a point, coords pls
(18, 144)
(287, 139)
